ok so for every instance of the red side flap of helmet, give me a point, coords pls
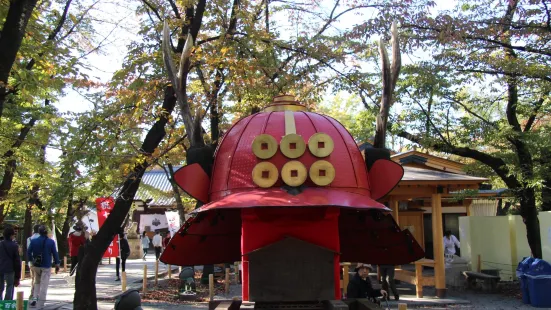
(194, 181)
(384, 175)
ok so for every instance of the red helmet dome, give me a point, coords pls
(287, 156)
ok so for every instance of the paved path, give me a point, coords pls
(60, 290)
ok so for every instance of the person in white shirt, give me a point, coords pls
(157, 244)
(450, 241)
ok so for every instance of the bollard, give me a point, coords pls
(169, 272)
(156, 272)
(144, 288)
(123, 281)
(23, 264)
(211, 287)
(19, 303)
(402, 307)
(227, 281)
(109, 260)
(65, 264)
(479, 267)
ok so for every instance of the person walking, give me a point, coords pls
(145, 244)
(450, 242)
(34, 236)
(387, 275)
(124, 254)
(10, 264)
(40, 253)
(158, 244)
(76, 240)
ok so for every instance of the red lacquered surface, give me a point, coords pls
(194, 181)
(384, 175)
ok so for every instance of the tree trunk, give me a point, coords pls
(27, 230)
(179, 205)
(62, 243)
(12, 34)
(91, 253)
(529, 215)
(546, 195)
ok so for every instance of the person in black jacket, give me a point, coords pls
(124, 253)
(10, 264)
(360, 285)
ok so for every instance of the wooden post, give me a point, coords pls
(109, 260)
(156, 272)
(19, 302)
(468, 203)
(123, 281)
(419, 280)
(438, 244)
(236, 272)
(345, 276)
(211, 287)
(479, 266)
(23, 264)
(169, 271)
(144, 288)
(65, 264)
(395, 209)
(227, 281)
(402, 307)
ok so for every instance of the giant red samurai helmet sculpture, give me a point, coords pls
(283, 181)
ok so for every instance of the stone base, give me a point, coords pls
(136, 250)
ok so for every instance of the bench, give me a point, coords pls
(489, 281)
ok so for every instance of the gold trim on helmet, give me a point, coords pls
(265, 174)
(294, 173)
(322, 173)
(320, 144)
(264, 146)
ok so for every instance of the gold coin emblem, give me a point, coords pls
(320, 144)
(264, 146)
(292, 146)
(322, 173)
(265, 174)
(294, 173)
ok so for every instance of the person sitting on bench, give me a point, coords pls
(360, 285)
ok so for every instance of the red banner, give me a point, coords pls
(104, 207)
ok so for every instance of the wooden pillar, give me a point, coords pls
(156, 272)
(468, 203)
(144, 287)
(169, 272)
(419, 280)
(65, 264)
(227, 281)
(19, 301)
(23, 265)
(123, 281)
(211, 287)
(438, 244)
(345, 276)
(393, 204)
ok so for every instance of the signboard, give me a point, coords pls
(104, 207)
(12, 304)
(173, 219)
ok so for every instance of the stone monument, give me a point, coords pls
(136, 251)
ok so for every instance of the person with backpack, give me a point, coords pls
(34, 236)
(124, 254)
(40, 253)
(10, 264)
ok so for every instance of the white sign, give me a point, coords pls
(154, 221)
(173, 219)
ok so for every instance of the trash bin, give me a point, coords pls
(539, 282)
(521, 274)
